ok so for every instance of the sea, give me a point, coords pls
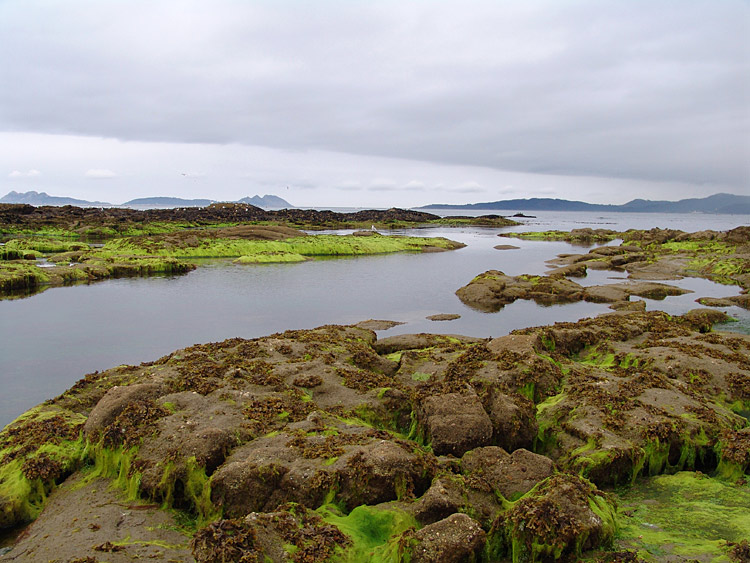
(50, 340)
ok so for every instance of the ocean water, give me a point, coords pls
(52, 339)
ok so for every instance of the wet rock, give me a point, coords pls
(571, 270)
(116, 400)
(715, 301)
(565, 516)
(511, 475)
(455, 539)
(618, 261)
(506, 247)
(613, 293)
(734, 301)
(355, 465)
(513, 420)
(455, 423)
(628, 306)
(492, 290)
(606, 294)
(704, 319)
(401, 342)
(444, 317)
(373, 324)
(443, 498)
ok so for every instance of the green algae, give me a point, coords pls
(707, 246)
(687, 514)
(115, 464)
(721, 270)
(45, 245)
(90, 266)
(307, 246)
(419, 376)
(594, 356)
(572, 236)
(19, 276)
(271, 258)
(374, 532)
(119, 465)
(37, 451)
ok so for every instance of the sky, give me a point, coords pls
(375, 103)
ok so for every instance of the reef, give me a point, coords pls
(333, 444)
(492, 290)
(661, 254)
(30, 264)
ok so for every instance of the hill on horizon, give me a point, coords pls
(717, 203)
(42, 198)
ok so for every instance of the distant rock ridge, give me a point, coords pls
(267, 202)
(717, 203)
(42, 198)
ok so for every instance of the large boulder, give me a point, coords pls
(455, 539)
(511, 475)
(563, 517)
(455, 423)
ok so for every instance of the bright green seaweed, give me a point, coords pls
(687, 514)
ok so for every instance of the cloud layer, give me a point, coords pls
(657, 91)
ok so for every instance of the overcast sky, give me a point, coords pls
(354, 103)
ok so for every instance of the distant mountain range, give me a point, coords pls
(717, 203)
(42, 198)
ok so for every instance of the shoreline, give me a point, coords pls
(293, 446)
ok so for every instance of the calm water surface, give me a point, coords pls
(50, 340)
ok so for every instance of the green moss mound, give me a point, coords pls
(308, 246)
(271, 258)
(689, 515)
(37, 451)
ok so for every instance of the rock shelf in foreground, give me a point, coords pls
(333, 445)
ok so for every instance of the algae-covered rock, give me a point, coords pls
(510, 475)
(560, 519)
(455, 423)
(492, 290)
(513, 420)
(455, 539)
(333, 445)
(644, 394)
(37, 451)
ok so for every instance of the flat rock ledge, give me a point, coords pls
(333, 445)
(493, 290)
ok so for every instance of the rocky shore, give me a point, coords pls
(656, 254)
(30, 264)
(333, 444)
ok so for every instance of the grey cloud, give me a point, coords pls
(655, 91)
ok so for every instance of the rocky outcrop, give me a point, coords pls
(492, 290)
(331, 444)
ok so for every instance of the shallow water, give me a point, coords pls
(50, 340)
